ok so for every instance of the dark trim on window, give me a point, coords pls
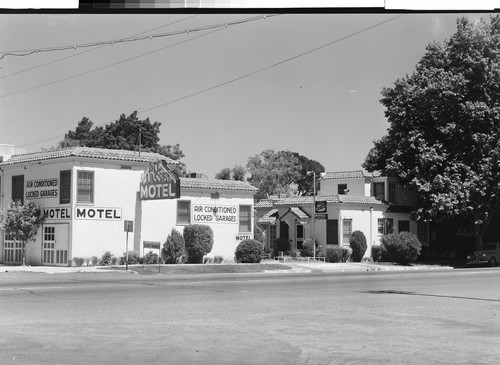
(18, 188)
(65, 187)
(183, 212)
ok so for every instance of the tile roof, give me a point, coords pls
(264, 203)
(298, 212)
(214, 184)
(269, 218)
(349, 174)
(348, 199)
(87, 152)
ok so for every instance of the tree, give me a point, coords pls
(305, 182)
(173, 248)
(272, 172)
(444, 135)
(237, 173)
(22, 221)
(123, 135)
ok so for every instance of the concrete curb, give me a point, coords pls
(295, 268)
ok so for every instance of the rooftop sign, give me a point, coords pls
(159, 182)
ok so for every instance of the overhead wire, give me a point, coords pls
(28, 52)
(216, 29)
(141, 111)
(92, 49)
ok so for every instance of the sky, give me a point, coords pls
(306, 82)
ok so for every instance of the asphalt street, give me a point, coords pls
(439, 317)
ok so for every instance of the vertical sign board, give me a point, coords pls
(159, 182)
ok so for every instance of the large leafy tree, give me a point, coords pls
(444, 133)
(122, 134)
(21, 221)
(236, 173)
(275, 172)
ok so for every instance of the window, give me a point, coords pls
(392, 192)
(183, 212)
(423, 232)
(332, 232)
(65, 187)
(379, 190)
(385, 225)
(18, 188)
(404, 226)
(85, 187)
(346, 231)
(272, 236)
(341, 189)
(299, 235)
(245, 218)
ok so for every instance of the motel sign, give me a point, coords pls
(159, 182)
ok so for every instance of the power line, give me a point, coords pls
(141, 111)
(28, 52)
(92, 49)
(216, 29)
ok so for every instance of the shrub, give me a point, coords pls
(106, 259)
(281, 244)
(376, 253)
(173, 248)
(346, 253)
(402, 248)
(133, 258)
(78, 261)
(218, 259)
(208, 260)
(93, 260)
(294, 252)
(307, 249)
(249, 252)
(199, 240)
(150, 258)
(358, 244)
(334, 254)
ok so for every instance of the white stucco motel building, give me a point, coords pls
(87, 195)
(347, 201)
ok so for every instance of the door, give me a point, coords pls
(299, 235)
(332, 232)
(55, 244)
(346, 231)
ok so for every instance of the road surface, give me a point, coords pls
(376, 318)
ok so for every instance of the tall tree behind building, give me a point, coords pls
(444, 134)
(121, 135)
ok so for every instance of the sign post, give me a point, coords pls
(128, 227)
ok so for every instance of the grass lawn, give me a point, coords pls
(203, 268)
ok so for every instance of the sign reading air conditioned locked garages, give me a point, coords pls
(159, 182)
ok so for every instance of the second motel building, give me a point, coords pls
(87, 194)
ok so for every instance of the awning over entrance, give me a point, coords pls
(269, 218)
(299, 213)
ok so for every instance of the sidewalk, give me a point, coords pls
(302, 267)
(358, 267)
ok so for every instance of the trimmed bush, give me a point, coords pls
(199, 240)
(133, 258)
(346, 253)
(248, 252)
(218, 259)
(307, 248)
(294, 252)
(78, 261)
(377, 253)
(358, 244)
(402, 248)
(334, 254)
(106, 259)
(173, 248)
(150, 258)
